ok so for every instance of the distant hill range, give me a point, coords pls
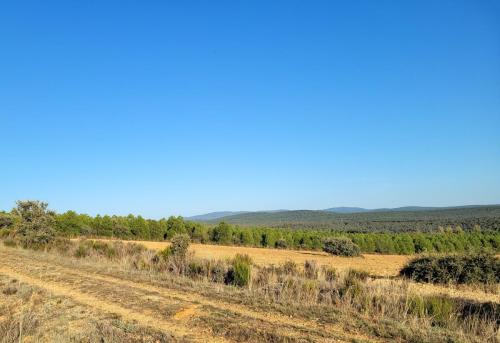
(355, 217)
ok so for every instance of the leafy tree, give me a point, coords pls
(36, 224)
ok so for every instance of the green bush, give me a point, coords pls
(439, 309)
(240, 272)
(341, 247)
(474, 268)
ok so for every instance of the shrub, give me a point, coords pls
(330, 273)
(218, 271)
(440, 309)
(358, 274)
(290, 268)
(341, 247)
(240, 272)
(5, 233)
(196, 270)
(36, 224)
(475, 268)
(81, 251)
(10, 242)
(103, 248)
(310, 269)
(180, 245)
(281, 244)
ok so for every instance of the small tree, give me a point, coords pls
(36, 223)
(341, 246)
(180, 245)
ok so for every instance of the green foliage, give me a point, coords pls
(447, 237)
(473, 268)
(35, 228)
(240, 272)
(222, 233)
(438, 308)
(341, 246)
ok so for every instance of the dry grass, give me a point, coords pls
(280, 304)
(32, 314)
(379, 265)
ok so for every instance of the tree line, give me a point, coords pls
(72, 224)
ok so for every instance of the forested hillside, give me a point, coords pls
(467, 218)
(475, 235)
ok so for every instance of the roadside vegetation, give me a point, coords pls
(360, 302)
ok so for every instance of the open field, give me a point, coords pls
(160, 312)
(379, 265)
(384, 266)
(95, 299)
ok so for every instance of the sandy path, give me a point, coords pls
(69, 283)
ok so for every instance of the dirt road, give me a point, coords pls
(185, 315)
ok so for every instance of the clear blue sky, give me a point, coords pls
(185, 107)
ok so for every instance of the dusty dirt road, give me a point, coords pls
(186, 315)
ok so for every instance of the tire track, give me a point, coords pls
(335, 333)
(129, 315)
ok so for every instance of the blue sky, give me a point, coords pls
(185, 107)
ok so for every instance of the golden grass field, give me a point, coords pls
(379, 265)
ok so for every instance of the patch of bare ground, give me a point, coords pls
(33, 314)
(186, 315)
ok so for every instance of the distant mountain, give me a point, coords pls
(346, 210)
(215, 215)
(356, 219)
(395, 209)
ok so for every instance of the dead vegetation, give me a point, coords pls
(324, 302)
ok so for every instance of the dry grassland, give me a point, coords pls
(378, 265)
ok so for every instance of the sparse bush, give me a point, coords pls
(5, 233)
(82, 251)
(341, 246)
(290, 268)
(358, 274)
(475, 268)
(196, 270)
(330, 273)
(10, 242)
(180, 245)
(281, 244)
(218, 271)
(310, 269)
